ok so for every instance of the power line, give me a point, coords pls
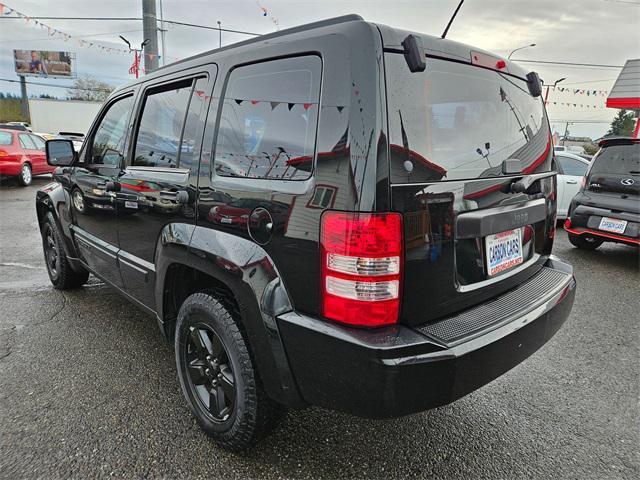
(58, 86)
(131, 19)
(597, 65)
(75, 36)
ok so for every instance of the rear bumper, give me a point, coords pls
(400, 370)
(585, 220)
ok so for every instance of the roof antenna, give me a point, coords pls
(453, 17)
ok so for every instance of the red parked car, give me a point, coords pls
(22, 155)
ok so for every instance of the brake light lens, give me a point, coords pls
(361, 255)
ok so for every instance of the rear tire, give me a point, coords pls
(62, 276)
(218, 377)
(25, 176)
(585, 242)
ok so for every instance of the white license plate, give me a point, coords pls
(226, 220)
(129, 204)
(612, 225)
(503, 251)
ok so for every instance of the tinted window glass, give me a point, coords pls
(26, 142)
(571, 166)
(268, 122)
(6, 138)
(161, 124)
(39, 142)
(190, 139)
(456, 121)
(109, 140)
(618, 160)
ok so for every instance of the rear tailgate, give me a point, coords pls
(469, 235)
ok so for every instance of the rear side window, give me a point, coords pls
(571, 166)
(455, 121)
(268, 119)
(618, 160)
(6, 138)
(26, 142)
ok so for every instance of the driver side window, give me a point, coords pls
(108, 143)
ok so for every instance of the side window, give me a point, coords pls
(190, 146)
(268, 120)
(39, 142)
(571, 166)
(161, 123)
(26, 142)
(323, 197)
(107, 147)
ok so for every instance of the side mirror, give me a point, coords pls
(60, 153)
(534, 84)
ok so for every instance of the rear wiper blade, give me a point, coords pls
(522, 185)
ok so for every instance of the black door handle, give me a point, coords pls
(180, 196)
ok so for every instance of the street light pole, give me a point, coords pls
(520, 48)
(546, 95)
(220, 34)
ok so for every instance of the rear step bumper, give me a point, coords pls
(399, 370)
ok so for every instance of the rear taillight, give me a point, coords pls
(361, 271)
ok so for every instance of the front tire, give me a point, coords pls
(585, 242)
(25, 177)
(62, 276)
(217, 376)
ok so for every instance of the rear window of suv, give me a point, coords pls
(456, 121)
(618, 160)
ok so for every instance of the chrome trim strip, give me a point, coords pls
(468, 288)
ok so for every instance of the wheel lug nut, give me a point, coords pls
(208, 357)
(207, 371)
(219, 376)
(215, 383)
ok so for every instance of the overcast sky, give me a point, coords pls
(582, 31)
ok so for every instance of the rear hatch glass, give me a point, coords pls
(616, 168)
(468, 236)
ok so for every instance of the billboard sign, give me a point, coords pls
(44, 63)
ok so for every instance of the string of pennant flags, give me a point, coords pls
(273, 104)
(55, 32)
(582, 91)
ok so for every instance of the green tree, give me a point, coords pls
(90, 89)
(623, 124)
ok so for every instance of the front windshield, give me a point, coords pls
(457, 121)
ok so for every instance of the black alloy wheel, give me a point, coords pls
(62, 275)
(51, 252)
(218, 377)
(210, 373)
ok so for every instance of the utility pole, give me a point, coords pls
(162, 37)
(566, 132)
(150, 33)
(24, 100)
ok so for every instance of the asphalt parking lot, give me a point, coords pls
(88, 389)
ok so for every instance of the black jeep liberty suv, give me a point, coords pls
(342, 214)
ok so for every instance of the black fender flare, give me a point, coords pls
(250, 274)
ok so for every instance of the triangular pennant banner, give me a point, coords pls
(274, 105)
(255, 102)
(340, 108)
(238, 101)
(290, 105)
(307, 105)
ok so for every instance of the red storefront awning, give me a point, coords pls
(626, 91)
